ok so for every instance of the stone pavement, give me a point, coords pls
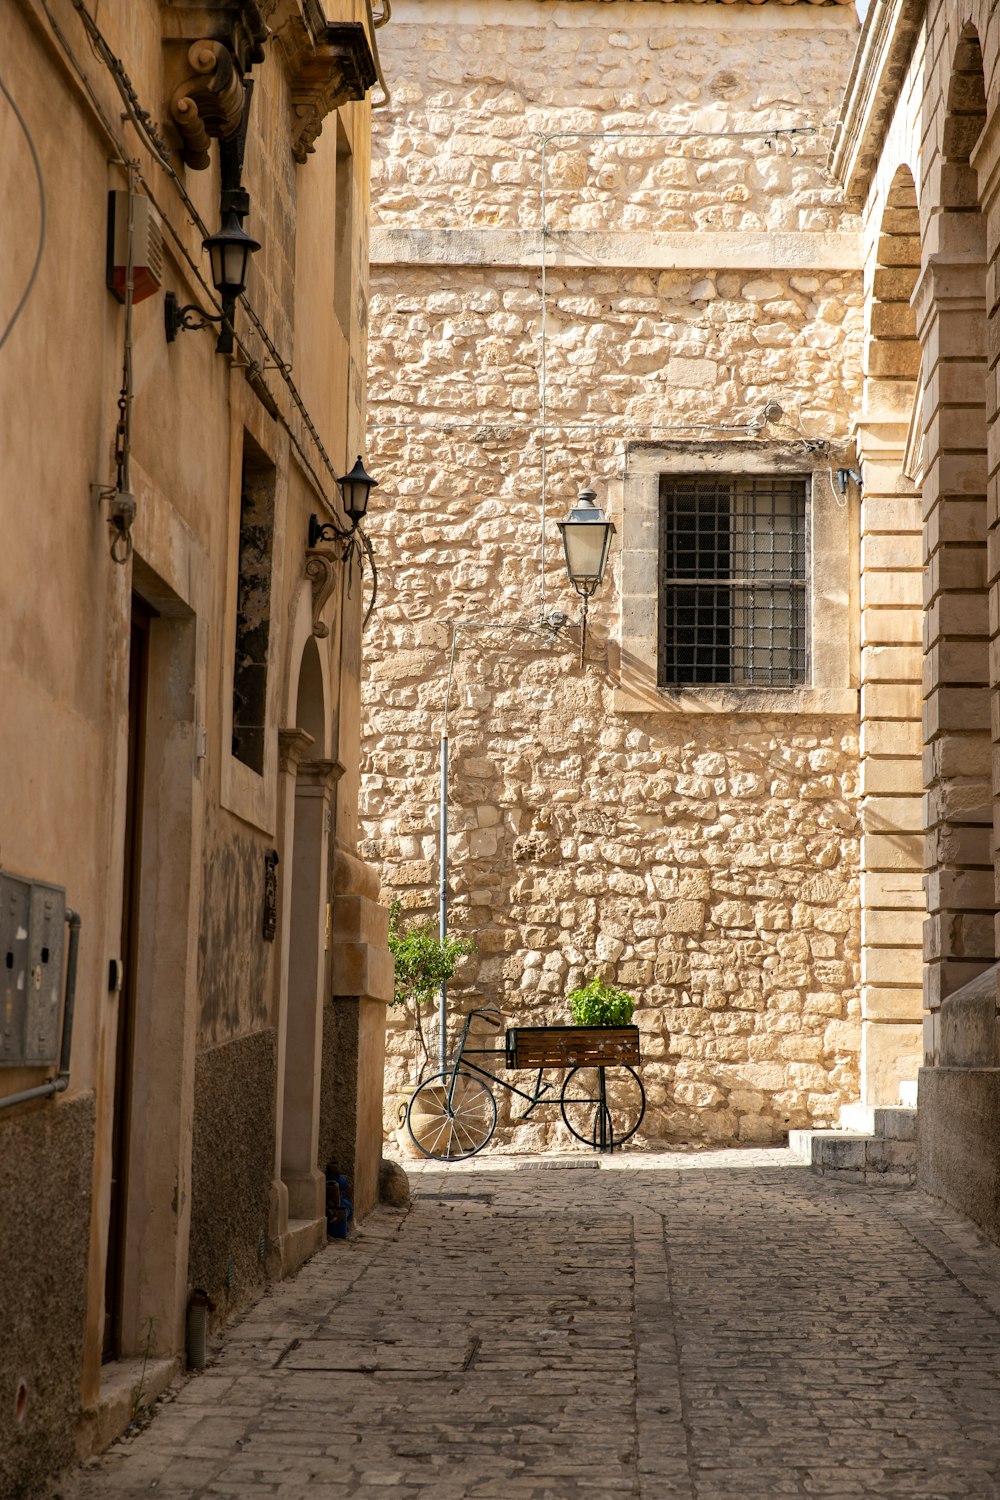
(713, 1326)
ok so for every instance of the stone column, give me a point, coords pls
(293, 745)
(360, 984)
(306, 958)
(951, 320)
(892, 898)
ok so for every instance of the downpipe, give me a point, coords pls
(60, 1083)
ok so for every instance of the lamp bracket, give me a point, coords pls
(329, 531)
(189, 318)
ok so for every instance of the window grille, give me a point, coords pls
(732, 596)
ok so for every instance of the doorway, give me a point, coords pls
(138, 694)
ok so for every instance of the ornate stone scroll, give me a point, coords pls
(208, 102)
(321, 570)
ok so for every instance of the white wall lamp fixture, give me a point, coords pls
(586, 534)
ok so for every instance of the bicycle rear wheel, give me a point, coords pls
(451, 1130)
(603, 1112)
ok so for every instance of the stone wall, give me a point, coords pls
(704, 859)
(45, 1164)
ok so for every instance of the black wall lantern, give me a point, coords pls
(586, 534)
(229, 252)
(355, 487)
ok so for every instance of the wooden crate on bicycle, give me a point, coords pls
(572, 1046)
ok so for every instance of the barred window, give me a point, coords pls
(732, 593)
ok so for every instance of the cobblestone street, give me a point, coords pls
(713, 1326)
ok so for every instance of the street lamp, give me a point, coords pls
(586, 534)
(229, 252)
(355, 487)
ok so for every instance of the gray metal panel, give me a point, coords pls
(32, 940)
(45, 969)
(15, 918)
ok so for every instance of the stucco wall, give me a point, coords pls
(706, 861)
(45, 1176)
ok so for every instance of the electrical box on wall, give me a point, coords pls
(147, 247)
(32, 938)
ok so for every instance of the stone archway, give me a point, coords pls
(307, 781)
(950, 302)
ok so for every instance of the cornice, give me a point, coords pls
(880, 62)
(328, 64)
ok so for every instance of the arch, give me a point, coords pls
(952, 319)
(965, 116)
(310, 702)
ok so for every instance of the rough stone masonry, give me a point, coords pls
(700, 852)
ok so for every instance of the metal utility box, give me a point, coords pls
(32, 944)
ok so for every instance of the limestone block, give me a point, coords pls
(880, 1002)
(902, 550)
(883, 814)
(902, 890)
(896, 966)
(683, 916)
(891, 627)
(890, 700)
(890, 928)
(890, 1054)
(891, 588)
(891, 664)
(891, 737)
(891, 776)
(884, 851)
(361, 969)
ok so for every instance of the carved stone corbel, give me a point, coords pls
(208, 102)
(327, 63)
(321, 571)
(340, 71)
(241, 24)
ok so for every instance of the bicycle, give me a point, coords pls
(453, 1115)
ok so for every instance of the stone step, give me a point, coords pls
(878, 1160)
(897, 1122)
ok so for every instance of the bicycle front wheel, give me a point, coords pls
(606, 1110)
(451, 1129)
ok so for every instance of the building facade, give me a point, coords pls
(180, 670)
(606, 251)
(916, 149)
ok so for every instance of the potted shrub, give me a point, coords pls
(423, 962)
(600, 1004)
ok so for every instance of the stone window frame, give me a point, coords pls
(832, 530)
(250, 795)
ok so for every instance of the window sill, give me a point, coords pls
(637, 698)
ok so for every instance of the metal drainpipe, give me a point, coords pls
(60, 1083)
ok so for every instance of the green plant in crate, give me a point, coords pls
(424, 961)
(600, 1004)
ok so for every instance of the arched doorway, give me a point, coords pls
(308, 779)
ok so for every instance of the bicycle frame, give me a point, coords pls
(464, 1052)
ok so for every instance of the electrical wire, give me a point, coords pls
(40, 247)
(142, 121)
(383, 18)
(140, 118)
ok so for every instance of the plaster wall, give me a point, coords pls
(701, 850)
(210, 993)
